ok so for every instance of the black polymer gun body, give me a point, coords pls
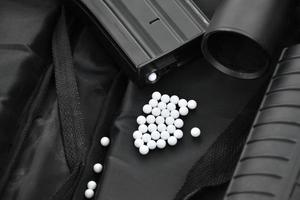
(269, 167)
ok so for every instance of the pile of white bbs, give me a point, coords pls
(162, 125)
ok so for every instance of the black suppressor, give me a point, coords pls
(243, 35)
(269, 167)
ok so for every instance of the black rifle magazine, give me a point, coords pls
(147, 38)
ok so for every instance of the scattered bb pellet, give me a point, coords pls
(161, 125)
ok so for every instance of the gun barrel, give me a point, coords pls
(243, 35)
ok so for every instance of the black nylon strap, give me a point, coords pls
(216, 167)
(67, 190)
(73, 133)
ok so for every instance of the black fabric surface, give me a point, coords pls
(40, 167)
(207, 6)
(225, 152)
(159, 175)
(41, 161)
(25, 40)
